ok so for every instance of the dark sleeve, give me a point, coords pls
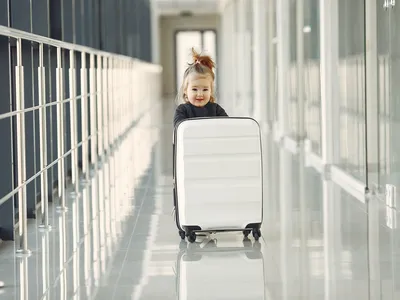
(180, 115)
(221, 112)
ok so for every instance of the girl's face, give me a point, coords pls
(198, 89)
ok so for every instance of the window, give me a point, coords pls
(201, 40)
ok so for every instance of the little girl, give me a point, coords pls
(197, 91)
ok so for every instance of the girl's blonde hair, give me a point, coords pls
(202, 64)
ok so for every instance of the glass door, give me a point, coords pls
(394, 96)
(382, 165)
(388, 137)
(184, 41)
(210, 48)
(201, 40)
(390, 109)
(383, 147)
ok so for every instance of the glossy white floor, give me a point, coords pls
(318, 243)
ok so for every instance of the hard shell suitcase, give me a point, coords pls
(217, 176)
(220, 272)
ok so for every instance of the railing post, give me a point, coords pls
(20, 118)
(60, 132)
(84, 117)
(106, 143)
(45, 265)
(93, 109)
(99, 96)
(100, 144)
(73, 124)
(100, 149)
(62, 256)
(105, 105)
(130, 114)
(94, 98)
(113, 148)
(24, 278)
(43, 143)
(122, 80)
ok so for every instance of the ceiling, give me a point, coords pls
(176, 7)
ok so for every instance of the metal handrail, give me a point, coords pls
(19, 34)
(106, 84)
(36, 175)
(36, 107)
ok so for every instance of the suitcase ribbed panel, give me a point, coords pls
(219, 173)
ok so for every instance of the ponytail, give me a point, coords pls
(204, 60)
(202, 64)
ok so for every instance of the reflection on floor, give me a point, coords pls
(318, 243)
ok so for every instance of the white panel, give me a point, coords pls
(226, 146)
(372, 80)
(222, 166)
(283, 64)
(155, 35)
(329, 79)
(185, 40)
(300, 67)
(210, 48)
(210, 43)
(260, 59)
(196, 129)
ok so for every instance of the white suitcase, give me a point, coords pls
(227, 273)
(218, 176)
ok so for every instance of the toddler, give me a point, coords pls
(197, 91)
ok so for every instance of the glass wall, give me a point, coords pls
(272, 112)
(236, 88)
(226, 89)
(344, 119)
(243, 55)
(319, 84)
(351, 76)
(248, 49)
(388, 36)
(340, 69)
(312, 83)
(302, 95)
(293, 91)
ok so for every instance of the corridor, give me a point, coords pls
(88, 95)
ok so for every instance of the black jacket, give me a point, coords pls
(187, 111)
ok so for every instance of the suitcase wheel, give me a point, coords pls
(256, 233)
(192, 237)
(182, 234)
(246, 233)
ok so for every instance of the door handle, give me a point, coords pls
(389, 4)
(390, 196)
